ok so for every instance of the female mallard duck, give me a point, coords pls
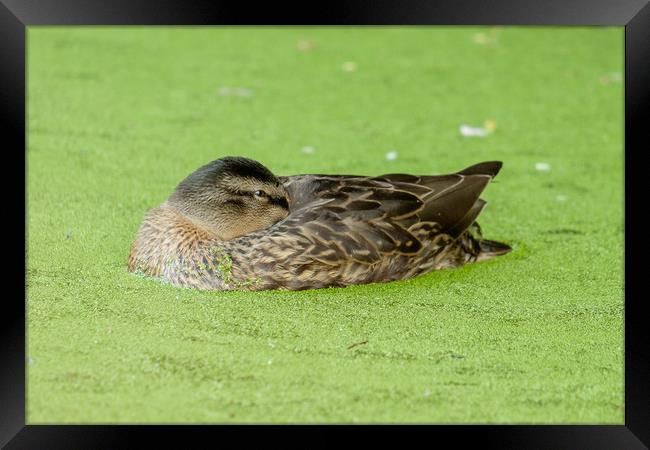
(232, 224)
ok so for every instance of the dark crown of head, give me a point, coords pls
(228, 166)
(243, 167)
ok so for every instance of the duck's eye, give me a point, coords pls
(259, 194)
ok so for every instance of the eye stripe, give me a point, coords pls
(280, 201)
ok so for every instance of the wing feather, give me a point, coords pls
(361, 218)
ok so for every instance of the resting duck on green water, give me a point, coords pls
(232, 224)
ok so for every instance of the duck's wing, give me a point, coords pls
(452, 200)
(362, 217)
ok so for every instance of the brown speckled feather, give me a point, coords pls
(341, 230)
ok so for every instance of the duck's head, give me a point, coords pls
(231, 197)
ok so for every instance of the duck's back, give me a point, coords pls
(351, 230)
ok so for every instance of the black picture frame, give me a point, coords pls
(16, 15)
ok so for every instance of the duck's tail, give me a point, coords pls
(490, 249)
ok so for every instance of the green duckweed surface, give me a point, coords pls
(118, 116)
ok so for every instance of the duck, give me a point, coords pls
(234, 225)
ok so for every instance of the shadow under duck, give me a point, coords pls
(232, 224)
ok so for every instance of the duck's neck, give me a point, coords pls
(167, 234)
(209, 227)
